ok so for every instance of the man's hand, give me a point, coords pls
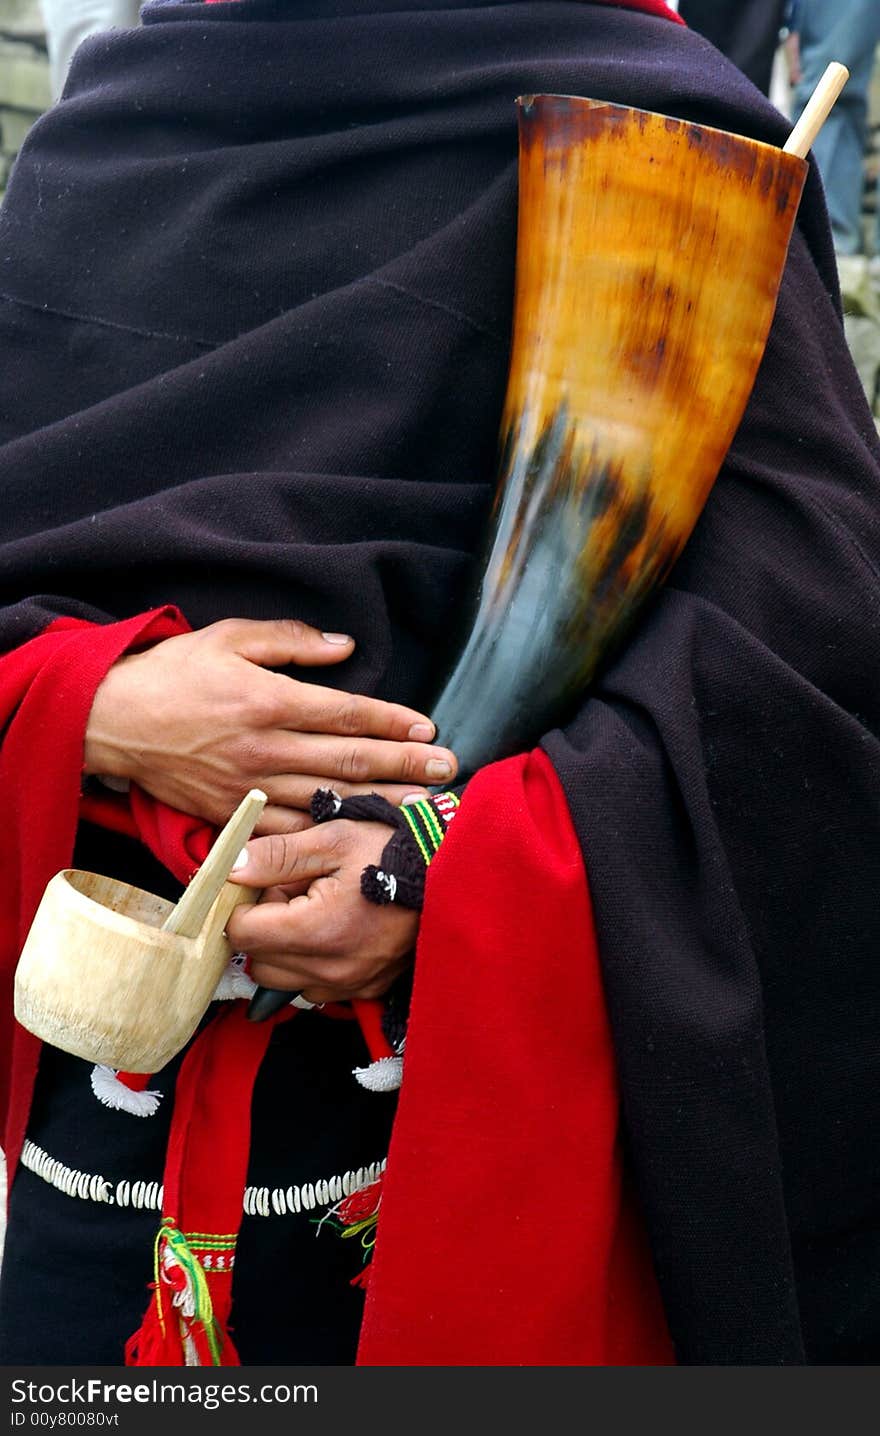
(313, 931)
(199, 719)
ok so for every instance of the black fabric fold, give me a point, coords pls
(255, 292)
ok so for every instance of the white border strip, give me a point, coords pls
(147, 1196)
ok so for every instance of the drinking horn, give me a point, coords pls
(649, 256)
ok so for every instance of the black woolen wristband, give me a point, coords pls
(399, 876)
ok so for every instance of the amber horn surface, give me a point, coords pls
(649, 256)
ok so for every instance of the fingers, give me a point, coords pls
(364, 761)
(320, 926)
(304, 707)
(277, 818)
(308, 948)
(295, 929)
(285, 893)
(280, 859)
(329, 710)
(319, 979)
(276, 641)
(325, 941)
(331, 918)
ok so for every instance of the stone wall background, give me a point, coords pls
(24, 76)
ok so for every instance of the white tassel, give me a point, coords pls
(383, 1075)
(113, 1093)
(234, 982)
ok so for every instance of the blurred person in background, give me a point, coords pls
(69, 22)
(848, 31)
(746, 31)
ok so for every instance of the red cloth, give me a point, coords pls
(46, 691)
(206, 1171)
(506, 1235)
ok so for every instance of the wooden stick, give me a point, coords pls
(817, 110)
(188, 917)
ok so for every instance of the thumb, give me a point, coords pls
(276, 641)
(281, 859)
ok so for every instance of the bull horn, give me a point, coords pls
(649, 256)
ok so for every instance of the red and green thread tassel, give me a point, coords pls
(180, 1327)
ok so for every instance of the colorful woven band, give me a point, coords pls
(428, 819)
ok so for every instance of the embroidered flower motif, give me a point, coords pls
(358, 1216)
(360, 1205)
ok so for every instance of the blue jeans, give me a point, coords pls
(848, 31)
(69, 22)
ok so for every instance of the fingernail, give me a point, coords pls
(411, 798)
(241, 861)
(421, 732)
(336, 638)
(438, 768)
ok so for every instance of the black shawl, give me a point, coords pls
(255, 290)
